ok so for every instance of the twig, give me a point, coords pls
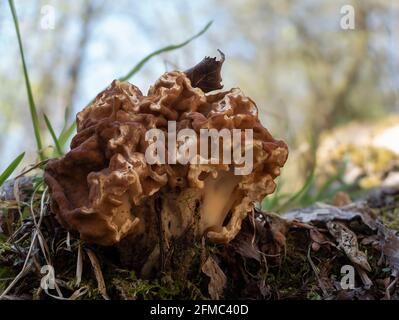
(98, 273)
(39, 164)
(388, 289)
(77, 294)
(79, 265)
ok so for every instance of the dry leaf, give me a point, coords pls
(317, 236)
(247, 248)
(206, 75)
(317, 239)
(323, 212)
(347, 241)
(217, 277)
(390, 247)
(278, 227)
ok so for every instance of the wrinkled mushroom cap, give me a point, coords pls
(102, 186)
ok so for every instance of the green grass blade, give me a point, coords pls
(324, 189)
(66, 133)
(32, 106)
(50, 128)
(66, 119)
(300, 193)
(141, 63)
(10, 169)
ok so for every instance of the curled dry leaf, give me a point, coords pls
(206, 75)
(317, 238)
(217, 277)
(347, 241)
(278, 227)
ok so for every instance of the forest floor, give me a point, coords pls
(349, 250)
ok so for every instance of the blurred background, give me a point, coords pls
(331, 93)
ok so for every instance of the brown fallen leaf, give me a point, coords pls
(389, 243)
(372, 239)
(318, 239)
(317, 236)
(246, 247)
(206, 74)
(364, 277)
(277, 226)
(217, 277)
(347, 241)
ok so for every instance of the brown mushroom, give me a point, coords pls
(106, 190)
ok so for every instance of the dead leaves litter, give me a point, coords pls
(218, 279)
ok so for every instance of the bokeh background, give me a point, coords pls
(307, 75)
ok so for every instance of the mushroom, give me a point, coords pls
(105, 189)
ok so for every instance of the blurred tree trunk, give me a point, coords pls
(330, 101)
(56, 91)
(78, 57)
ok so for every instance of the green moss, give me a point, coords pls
(4, 247)
(128, 286)
(6, 274)
(390, 217)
